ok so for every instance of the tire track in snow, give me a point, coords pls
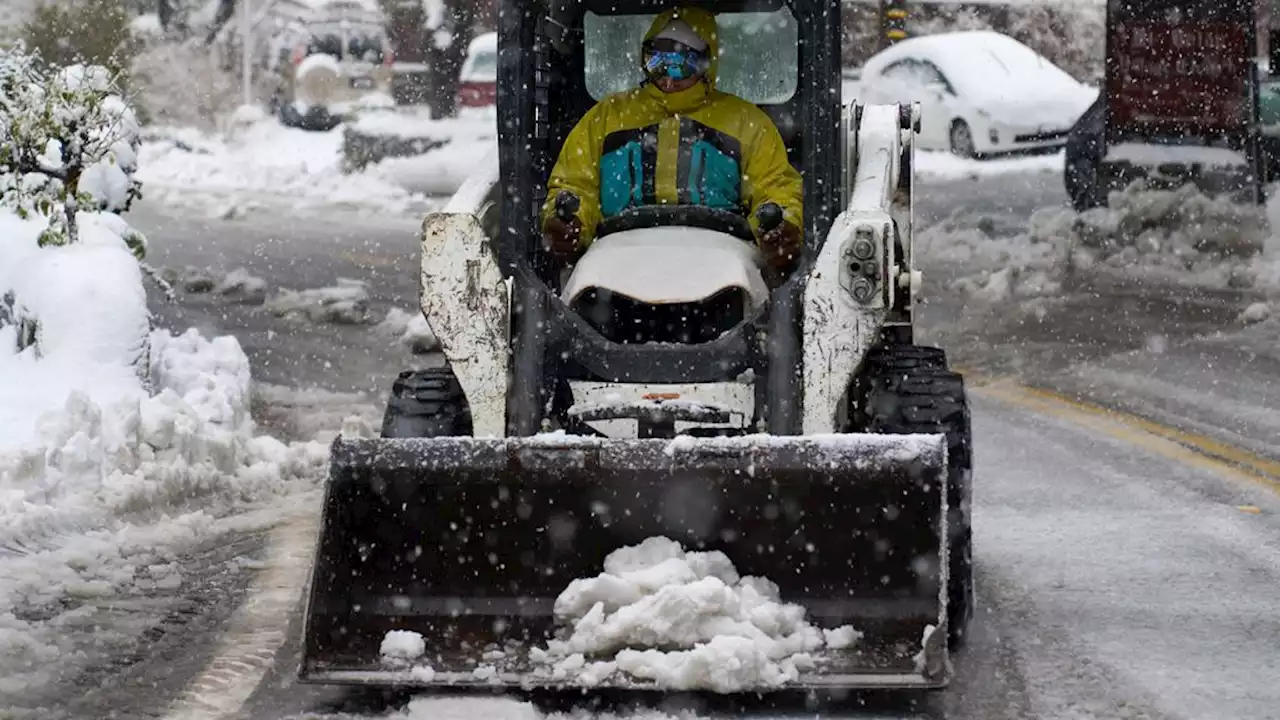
(260, 625)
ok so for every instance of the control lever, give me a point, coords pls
(770, 217)
(567, 205)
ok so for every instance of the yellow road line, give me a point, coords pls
(1187, 447)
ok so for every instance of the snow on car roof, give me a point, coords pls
(972, 59)
(487, 42)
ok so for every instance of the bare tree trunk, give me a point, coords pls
(164, 10)
(226, 9)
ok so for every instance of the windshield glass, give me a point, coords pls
(483, 66)
(758, 52)
(363, 42)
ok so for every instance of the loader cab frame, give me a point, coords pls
(542, 94)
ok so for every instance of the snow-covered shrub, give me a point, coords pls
(1072, 36)
(69, 264)
(947, 19)
(68, 142)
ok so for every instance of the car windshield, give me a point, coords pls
(362, 42)
(758, 54)
(365, 46)
(481, 67)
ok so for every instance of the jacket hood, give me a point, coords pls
(703, 23)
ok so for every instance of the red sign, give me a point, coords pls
(1192, 75)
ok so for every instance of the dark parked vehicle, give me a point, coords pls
(1085, 147)
(1179, 104)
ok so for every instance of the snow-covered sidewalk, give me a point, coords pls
(111, 485)
(122, 450)
(934, 164)
(263, 160)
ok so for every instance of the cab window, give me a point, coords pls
(758, 54)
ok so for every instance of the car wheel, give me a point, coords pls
(289, 116)
(1081, 180)
(962, 140)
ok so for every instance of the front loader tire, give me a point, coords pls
(908, 389)
(426, 403)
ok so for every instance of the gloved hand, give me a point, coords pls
(782, 246)
(561, 237)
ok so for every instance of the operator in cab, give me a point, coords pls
(675, 140)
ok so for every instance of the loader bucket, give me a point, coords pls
(468, 542)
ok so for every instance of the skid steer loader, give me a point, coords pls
(665, 388)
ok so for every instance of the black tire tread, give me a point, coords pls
(426, 403)
(909, 389)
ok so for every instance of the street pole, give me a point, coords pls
(246, 71)
(893, 22)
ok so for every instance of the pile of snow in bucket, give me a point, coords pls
(473, 707)
(663, 616)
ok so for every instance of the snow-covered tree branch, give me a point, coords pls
(68, 142)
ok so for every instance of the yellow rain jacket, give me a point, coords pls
(698, 146)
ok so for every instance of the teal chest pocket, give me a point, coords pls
(620, 179)
(627, 163)
(713, 177)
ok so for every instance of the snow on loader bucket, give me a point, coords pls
(469, 541)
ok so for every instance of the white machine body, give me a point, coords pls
(864, 263)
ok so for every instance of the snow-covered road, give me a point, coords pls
(1119, 576)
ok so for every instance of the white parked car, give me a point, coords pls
(981, 92)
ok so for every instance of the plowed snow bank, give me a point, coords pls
(1179, 236)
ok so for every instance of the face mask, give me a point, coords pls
(675, 61)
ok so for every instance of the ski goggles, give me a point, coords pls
(674, 60)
